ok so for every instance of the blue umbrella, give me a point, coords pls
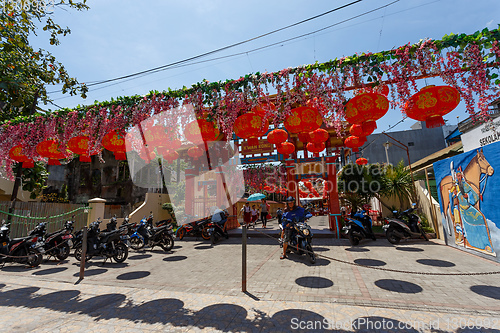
(256, 196)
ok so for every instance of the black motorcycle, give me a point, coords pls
(58, 243)
(300, 240)
(112, 245)
(146, 234)
(111, 224)
(358, 226)
(23, 250)
(404, 225)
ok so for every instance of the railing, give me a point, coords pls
(28, 214)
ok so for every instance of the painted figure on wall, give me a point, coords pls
(470, 226)
(476, 175)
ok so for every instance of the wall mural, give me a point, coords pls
(468, 188)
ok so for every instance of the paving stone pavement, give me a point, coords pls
(197, 287)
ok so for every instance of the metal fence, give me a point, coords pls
(202, 206)
(27, 215)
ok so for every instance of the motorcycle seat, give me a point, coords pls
(107, 233)
(17, 240)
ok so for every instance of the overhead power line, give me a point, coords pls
(225, 47)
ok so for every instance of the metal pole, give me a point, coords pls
(244, 258)
(84, 253)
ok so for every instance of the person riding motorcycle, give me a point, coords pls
(292, 213)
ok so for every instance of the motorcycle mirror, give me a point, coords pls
(413, 204)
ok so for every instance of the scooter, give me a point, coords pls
(301, 239)
(23, 250)
(358, 226)
(162, 235)
(404, 225)
(194, 228)
(56, 244)
(217, 230)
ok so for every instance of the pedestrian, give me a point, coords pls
(247, 213)
(264, 210)
(279, 214)
(255, 214)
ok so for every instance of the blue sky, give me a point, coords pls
(116, 38)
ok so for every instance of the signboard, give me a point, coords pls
(260, 159)
(263, 147)
(481, 136)
(311, 168)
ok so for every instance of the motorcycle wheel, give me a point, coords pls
(121, 253)
(78, 255)
(136, 243)
(167, 242)
(424, 234)
(391, 236)
(310, 254)
(352, 239)
(63, 252)
(204, 233)
(181, 233)
(34, 259)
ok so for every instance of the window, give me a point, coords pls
(411, 144)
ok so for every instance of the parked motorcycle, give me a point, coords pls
(146, 234)
(404, 225)
(111, 224)
(300, 240)
(112, 245)
(24, 250)
(358, 226)
(217, 230)
(195, 228)
(56, 244)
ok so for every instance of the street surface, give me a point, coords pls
(197, 287)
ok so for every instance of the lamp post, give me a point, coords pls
(405, 147)
(386, 146)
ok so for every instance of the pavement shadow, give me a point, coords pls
(133, 275)
(92, 272)
(224, 317)
(436, 262)
(486, 291)
(399, 286)
(140, 256)
(314, 282)
(50, 271)
(409, 249)
(357, 249)
(174, 258)
(370, 262)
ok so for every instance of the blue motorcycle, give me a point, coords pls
(358, 226)
(146, 234)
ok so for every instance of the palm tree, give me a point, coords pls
(397, 183)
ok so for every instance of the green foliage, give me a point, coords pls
(24, 71)
(360, 183)
(173, 211)
(33, 179)
(397, 183)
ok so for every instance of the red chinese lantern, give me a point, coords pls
(115, 142)
(311, 195)
(303, 119)
(145, 157)
(364, 109)
(431, 103)
(50, 149)
(308, 184)
(361, 161)
(154, 135)
(316, 147)
(319, 135)
(362, 132)
(263, 108)
(16, 153)
(286, 148)
(80, 145)
(172, 155)
(303, 137)
(354, 143)
(277, 136)
(201, 130)
(195, 152)
(251, 126)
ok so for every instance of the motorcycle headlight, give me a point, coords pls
(306, 232)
